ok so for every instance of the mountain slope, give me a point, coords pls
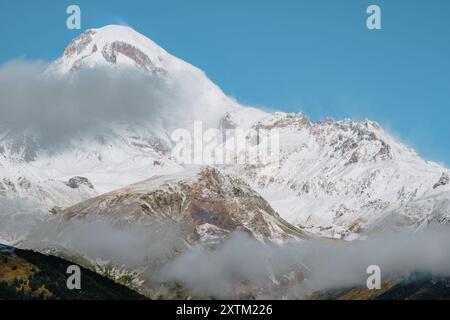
(27, 275)
(338, 178)
(206, 204)
(417, 286)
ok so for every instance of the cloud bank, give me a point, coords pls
(56, 108)
(265, 270)
(299, 269)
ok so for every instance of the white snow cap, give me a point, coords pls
(116, 45)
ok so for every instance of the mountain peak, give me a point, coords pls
(116, 45)
(115, 28)
(127, 34)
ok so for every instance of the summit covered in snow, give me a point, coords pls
(116, 45)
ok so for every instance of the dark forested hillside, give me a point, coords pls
(27, 274)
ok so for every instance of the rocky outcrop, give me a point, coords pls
(79, 43)
(111, 50)
(206, 204)
(443, 180)
(76, 182)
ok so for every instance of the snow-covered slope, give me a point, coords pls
(334, 178)
(109, 158)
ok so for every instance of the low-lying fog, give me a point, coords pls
(322, 264)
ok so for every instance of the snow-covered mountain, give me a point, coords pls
(116, 153)
(334, 178)
(121, 47)
(343, 178)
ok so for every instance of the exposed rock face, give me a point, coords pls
(206, 204)
(7, 186)
(354, 158)
(76, 182)
(111, 50)
(443, 180)
(113, 45)
(79, 43)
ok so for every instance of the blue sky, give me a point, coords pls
(312, 56)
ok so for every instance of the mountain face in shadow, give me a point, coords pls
(26, 275)
(417, 286)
